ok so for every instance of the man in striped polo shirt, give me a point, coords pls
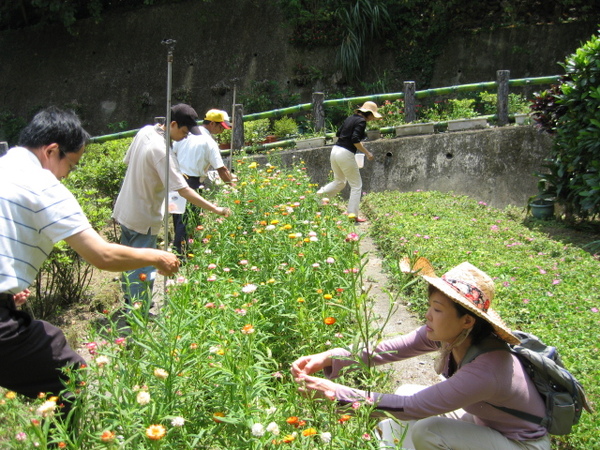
(37, 211)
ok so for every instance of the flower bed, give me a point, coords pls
(211, 370)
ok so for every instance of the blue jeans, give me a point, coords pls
(134, 288)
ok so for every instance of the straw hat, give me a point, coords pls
(370, 107)
(469, 287)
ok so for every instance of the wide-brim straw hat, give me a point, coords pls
(370, 107)
(468, 286)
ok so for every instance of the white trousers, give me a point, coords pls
(453, 431)
(345, 170)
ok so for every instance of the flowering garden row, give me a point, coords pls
(211, 370)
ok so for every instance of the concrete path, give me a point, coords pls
(417, 370)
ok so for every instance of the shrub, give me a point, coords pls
(285, 127)
(255, 131)
(576, 153)
(546, 110)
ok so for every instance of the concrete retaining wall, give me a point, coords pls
(494, 165)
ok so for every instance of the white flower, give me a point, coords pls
(273, 428)
(161, 374)
(249, 288)
(178, 421)
(330, 260)
(270, 227)
(313, 239)
(102, 360)
(143, 398)
(326, 437)
(258, 429)
(271, 410)
(46, 409)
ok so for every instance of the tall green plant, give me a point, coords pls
(362, 22)
(576, 153)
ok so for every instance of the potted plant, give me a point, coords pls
(415, 128)
(311, 140)
(255, 131)
(541, 205)
(462, 115)
(373, 130)
(285, 128)
(224, 139)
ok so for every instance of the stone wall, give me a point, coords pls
(116, 71)
(493, 165)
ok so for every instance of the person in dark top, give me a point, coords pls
(343, 161)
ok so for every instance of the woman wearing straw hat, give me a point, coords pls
(343, 161)
(458, 412)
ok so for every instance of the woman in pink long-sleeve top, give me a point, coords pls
(460, 411)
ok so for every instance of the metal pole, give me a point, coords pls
(170, 43)
(233, 125)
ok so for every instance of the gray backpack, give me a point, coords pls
(563, 395)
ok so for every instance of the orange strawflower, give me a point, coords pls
(292, 420)
(107, 436)
(156, 432)
(289, 438)
(329, 320)
(309, 432)
(344, 418)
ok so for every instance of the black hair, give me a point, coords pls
(54, 126)
(482, 327)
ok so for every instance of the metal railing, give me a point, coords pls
(502, 84)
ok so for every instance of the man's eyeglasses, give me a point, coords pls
(73, 165)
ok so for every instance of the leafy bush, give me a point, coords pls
(451, 109)
(255, 131)
(546, 109)
(517, 103)
(285, 127)
(392, 113)
(575, 158)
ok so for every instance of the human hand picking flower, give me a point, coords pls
(316, 386)
(309, 364)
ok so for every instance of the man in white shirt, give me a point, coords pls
(215, 121)
(195, 155)
(37, 212)
(139, 206)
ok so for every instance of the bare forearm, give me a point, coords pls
(196, 199)
(225, 174)
(116, 258)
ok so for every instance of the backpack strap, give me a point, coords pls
(489, 345)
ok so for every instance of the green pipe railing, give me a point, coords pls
(449, 90)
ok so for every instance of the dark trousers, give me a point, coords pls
(32, 353)
(180, 221)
